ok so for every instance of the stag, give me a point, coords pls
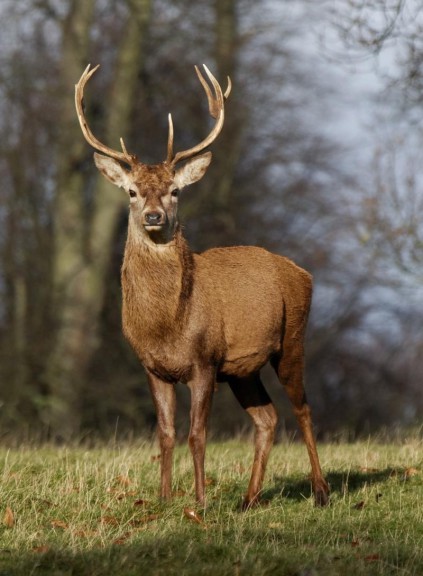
(218, 316)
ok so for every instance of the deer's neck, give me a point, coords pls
(157, 285)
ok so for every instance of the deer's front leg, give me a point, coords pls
(164, 399)
(202, 387)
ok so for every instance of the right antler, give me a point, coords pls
(217, 111)
(89, 136)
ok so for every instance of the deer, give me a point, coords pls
(202, 319)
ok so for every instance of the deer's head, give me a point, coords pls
(153, 190)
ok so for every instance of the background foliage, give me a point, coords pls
(291, 172)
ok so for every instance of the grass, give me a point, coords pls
(75, 511)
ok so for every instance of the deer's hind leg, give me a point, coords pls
(253, 397)
(290, 371)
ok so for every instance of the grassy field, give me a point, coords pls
(80, 512)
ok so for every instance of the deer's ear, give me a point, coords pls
(193, 170)
(112, 170)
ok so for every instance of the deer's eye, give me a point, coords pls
(175, 193)
(132, 193)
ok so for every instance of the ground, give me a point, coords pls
(78, 511)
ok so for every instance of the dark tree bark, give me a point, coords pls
(83, 245)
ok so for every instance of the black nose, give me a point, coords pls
(153, 218)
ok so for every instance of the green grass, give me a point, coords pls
(80, 512)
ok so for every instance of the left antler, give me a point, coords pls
(89, 136)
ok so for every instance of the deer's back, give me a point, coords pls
(260, 296)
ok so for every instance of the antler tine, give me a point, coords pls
(228, 89)
(213, 101)
(216, 110)
(217, 101)
(88, 135)
(170, 140)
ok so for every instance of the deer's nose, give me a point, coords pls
(153, 218)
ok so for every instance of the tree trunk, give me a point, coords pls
(227, 153)
(83, 245)
(220, 192)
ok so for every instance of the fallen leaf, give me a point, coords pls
(14, 476)
(148, 518)
(372, 557)
(82, 533)
(123, 480)
(9, 518)
(144, 520)
(410, 472)
(192, 515)
(41, 549)
(59, 524)
(109, 520)
(127, 494)
(70, 490)
(179, 493)
(44, 503)
(121, 494)
(122, 539)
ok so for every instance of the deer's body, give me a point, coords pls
(229, 307)
(199, 318)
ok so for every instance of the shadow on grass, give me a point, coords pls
(165, 556)
(340, 483)
(191, 553)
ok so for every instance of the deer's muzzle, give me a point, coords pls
(153, 219)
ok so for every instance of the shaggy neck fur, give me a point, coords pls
(157, 284)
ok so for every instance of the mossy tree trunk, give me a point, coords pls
(85, 219)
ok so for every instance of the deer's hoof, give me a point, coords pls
(249, 503)
(321, 495)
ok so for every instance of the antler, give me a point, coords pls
(217, 111)
(89, 136)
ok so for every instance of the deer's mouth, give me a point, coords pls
(154, 227)
(158, 233)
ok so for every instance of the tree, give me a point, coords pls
(82, 245)
(27, 171)
(388, 31)
(280, 178)
(388, 219)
